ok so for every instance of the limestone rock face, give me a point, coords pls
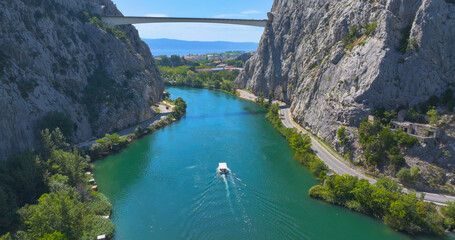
(53, 59)
(304, 58)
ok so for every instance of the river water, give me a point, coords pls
(165, 186)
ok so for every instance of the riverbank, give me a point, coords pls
(427, 220)
(169, 111)
(164, 110)
(333, 159)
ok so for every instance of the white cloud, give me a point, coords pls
(251, 12)
(156, 15)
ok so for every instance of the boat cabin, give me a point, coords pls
(222, 168)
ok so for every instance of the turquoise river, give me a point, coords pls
(165, 186)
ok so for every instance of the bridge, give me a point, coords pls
(139, 20)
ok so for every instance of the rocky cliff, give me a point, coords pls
(336, 61)
(56, 56)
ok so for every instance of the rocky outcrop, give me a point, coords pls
(335, 61)
(55, 57)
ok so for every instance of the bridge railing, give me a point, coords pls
(140, 20)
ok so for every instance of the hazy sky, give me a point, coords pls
(248, 9)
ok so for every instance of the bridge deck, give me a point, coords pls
(139, 20)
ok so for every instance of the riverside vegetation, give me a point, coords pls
(300, 143)
(180, 72)
(383, 200)
(45, 193)
(111, 143)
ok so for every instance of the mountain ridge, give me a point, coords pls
(336, 62)
(165, 46)
(57, 56)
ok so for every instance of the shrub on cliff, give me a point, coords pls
(434, 116)
(379, 143)
(342, 137)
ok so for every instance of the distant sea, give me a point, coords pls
(179, 47)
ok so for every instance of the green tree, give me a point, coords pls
(6, 237)
(21, 182)
(342, 137)
(114, 138)
(367, 130)
(138, 131)
(52, 140)
(397, 160)
(374, 151)
(404, 139)
(179, 109)
(404, 212)
(449, 213)
(54, 236)
(70, 164)
(412, 215)
(56, 212)
(318, 166)
(415, 173)
(341, 187)
(405, 175)
(98, 148)
(363, 194)
(434, 116)
(386, 137)
(58, 183)
(388, 184)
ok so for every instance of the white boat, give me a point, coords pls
(222, 168)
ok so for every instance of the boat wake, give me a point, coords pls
(223, 198)
(239, 195)
(226, 184)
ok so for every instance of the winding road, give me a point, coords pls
(332, 159)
